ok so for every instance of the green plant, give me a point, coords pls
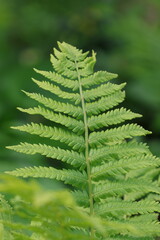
(113, 176)
(34, 213)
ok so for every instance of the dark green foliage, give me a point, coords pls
(110, 171)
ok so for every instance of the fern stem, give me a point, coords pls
(86, 147)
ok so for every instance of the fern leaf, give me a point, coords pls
(63, 67)
(113, 136)
(97, 78)
(72, 52)
(122, 187)
(71, 123)
(71, 139)
(145, 218)
(121, 166)
(101, 91)
(118, 209)
(148, 229)
(6, 210)
(111, 118)
(135, 196)
(118, 151)
(67, 108)
(70, 157)
(57, 78)
(81, 197)
(152, 173)
(69, 58)
(149, 173)
(105, 103)
(129, 238)
(73, 177)
(74, 97)
(86, 69)
(64, 63)
(21, 236)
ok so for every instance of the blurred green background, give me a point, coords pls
(124, 33)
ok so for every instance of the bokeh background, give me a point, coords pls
(124, 33)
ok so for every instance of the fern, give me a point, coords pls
(28, 213)
(110, 171)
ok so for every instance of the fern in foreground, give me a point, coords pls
(114, 177)
(32, 213)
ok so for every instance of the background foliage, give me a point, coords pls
(125, 34)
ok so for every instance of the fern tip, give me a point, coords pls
(9, 147)
(58, 43)
(13, 127)
(51, 56)
(35, 69)
(124, 84)
(138, 115)
(9, 173)
(94, 55)
(24, 91)
(20, 109)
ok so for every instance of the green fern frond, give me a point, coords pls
(5, 215)
(130, 238)
(67, 68)
(5, 210)
(21, 236)
(73, 177)
(98, 78)
(64, 63)
(123, 228)
(71, 123)
(103, 90)
(71, 139)
(153, 173)
(67, 156)
(148, 229)
(81, 197)
(115, 135)
(61, 107)
(74, 97)
(150, 173)
(111, 118)
(72, 52)
(124, 165)
(118, 151)
(146, 218)
(32, 214)
(57, 78)
(118, 209)
(116, 174)
(120, 188)
(105, 103)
